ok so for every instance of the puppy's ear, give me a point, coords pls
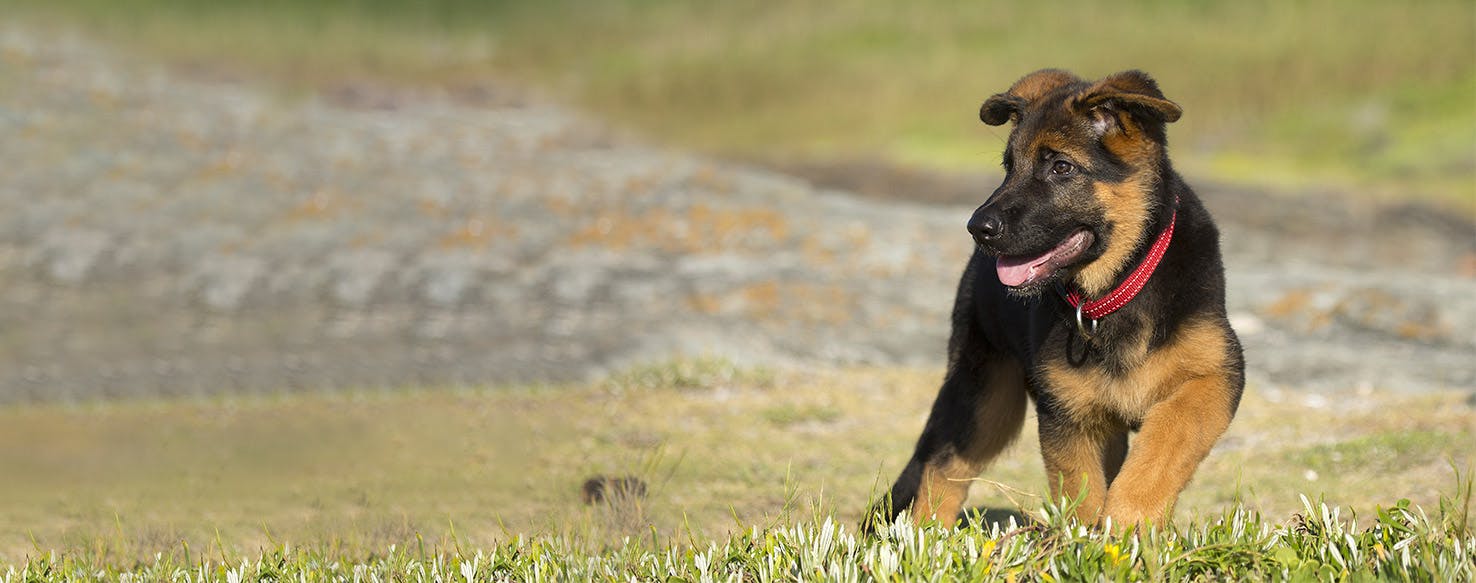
(1000, 108)
(1003, 107)
(1133, 92)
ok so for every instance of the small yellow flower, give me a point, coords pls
(1114, 553)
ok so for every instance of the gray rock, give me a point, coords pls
(162, 236)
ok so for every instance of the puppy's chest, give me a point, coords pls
(1121, 391)
(1133, 377)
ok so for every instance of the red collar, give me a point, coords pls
(1129, 288)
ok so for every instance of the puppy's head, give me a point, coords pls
(1081, 165)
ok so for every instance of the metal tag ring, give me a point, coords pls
(1082, 327)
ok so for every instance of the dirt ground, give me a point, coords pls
(164, 232)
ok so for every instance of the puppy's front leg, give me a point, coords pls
(1176, 435)
(978, 412)
(1080, 457)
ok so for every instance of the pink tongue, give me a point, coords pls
(1015, 271)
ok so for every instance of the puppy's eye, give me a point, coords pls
(1062, 168)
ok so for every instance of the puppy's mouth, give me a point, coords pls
(1022, 270)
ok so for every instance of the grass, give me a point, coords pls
(1358, 95)
(725, 449)
(1400, 542)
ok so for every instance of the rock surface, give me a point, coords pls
(161, 235)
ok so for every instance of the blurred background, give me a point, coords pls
(225, 204)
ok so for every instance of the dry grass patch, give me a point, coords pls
(721, 447)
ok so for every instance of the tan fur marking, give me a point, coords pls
(1180, 395)
(1044, 139)
(1176, 435)
(1127, 209)
(944, 487)
(1130, 145)
(1132, 87)
(1057, 142)
(1035, 85)
(1078, 460)
(1197, 349)
(947, 477)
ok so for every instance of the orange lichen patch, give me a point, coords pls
(560, 205)
(1292, 302)
(639, 184)
(430, 207)
(820, 252)
(621, 231)
(1376, 309)
(366, 239)
(700, 229)
(321, 204)
(857, 235)
(782, 302)
(189, 139)
(820, 304)
(816, 251)
(891, 317)
(704, 303)
(223, 165)
(277, 180)
(761, 297)
(1418, 331)
(478, 232)
(721, 225)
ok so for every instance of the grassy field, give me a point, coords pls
(1372, 97)
(723, 450)
(1399, 543)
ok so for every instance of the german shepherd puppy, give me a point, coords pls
(1090, 214)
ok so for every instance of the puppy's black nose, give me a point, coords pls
(986, 227)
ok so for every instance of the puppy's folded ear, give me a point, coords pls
(1000, 108)
(1003, 107)
(1133, 92)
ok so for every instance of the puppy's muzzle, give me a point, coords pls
(986, 227)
